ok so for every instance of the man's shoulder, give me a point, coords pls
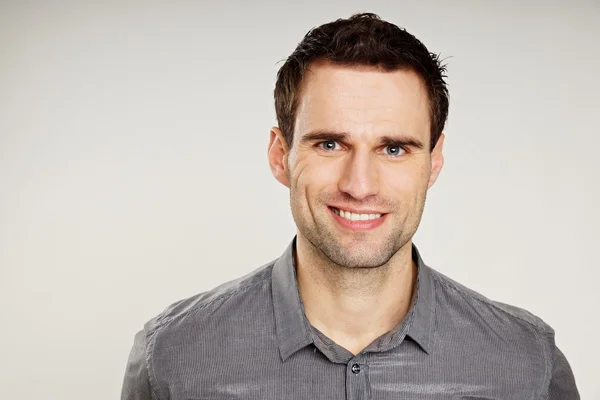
(514, 316)
(194, 310)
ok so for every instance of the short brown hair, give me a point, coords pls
(361, 40)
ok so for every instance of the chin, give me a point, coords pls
(365, 256)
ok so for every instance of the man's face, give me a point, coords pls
(359, 167)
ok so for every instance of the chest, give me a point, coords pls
(409, 375)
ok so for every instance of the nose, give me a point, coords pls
(359, 178)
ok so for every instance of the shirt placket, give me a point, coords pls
(357, 378)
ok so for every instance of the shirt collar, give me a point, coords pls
(422, 322)
(291, 324)
(294, 330)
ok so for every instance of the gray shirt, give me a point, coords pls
(250, 339)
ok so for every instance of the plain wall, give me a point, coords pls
(133, 169)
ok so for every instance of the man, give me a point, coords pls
(350, 310)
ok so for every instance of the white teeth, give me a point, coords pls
(356, 217)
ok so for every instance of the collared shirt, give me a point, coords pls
(250, 339)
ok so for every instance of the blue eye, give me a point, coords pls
(394, 150)
(328, 145)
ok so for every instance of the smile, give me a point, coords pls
(357, 221)
(355, 216)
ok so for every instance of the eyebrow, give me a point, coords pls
(386, 140)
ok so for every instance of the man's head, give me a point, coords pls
(361, 106)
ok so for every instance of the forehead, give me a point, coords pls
(365, 101)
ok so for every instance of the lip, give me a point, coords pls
(356, 226)
(357, 211)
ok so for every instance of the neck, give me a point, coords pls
(354, 306)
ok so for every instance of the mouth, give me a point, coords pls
(352, 216)
(358, 221)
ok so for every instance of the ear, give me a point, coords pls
(278, 155)
(437, 160)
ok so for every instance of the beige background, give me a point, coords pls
(133, 167)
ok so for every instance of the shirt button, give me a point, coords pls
(355, 368)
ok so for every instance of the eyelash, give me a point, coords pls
(320, 145)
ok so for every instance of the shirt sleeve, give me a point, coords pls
(136, 384)
(562, 382)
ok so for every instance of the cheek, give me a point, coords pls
(404, 184)
(313, 177)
